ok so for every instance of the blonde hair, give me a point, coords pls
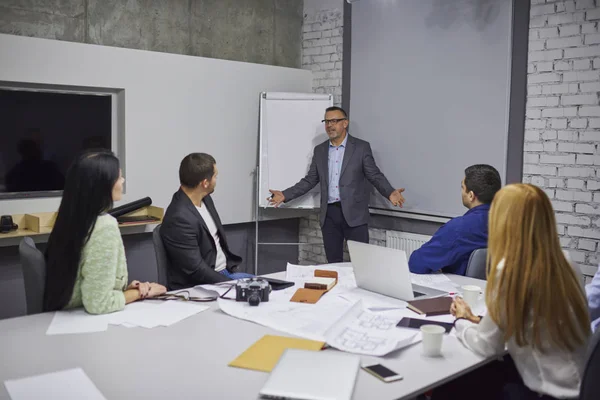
(536, 294)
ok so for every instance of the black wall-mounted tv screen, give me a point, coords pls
(41, 133)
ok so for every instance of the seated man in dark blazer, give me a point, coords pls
(192, 232)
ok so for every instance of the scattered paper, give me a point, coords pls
(66, 385)
(309, 321)
(363, 332)
(145, 314)
(153, 313)
(373, 301)
(176, 311)
(344, 325)
(220, 289)
(429, 280)
(436, 281)
(76, 321)
(133, 314)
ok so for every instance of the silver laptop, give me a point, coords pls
(385, 271)
(312, 375)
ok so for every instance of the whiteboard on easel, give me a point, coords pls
(290, 128)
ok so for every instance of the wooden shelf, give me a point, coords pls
(41, 223)
(150, 211)
(31, 225)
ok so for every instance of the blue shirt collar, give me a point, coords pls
(343, 144)
(479, 208)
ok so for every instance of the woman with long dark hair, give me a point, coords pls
(85, 257)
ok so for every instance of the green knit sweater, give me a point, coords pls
(102, 275)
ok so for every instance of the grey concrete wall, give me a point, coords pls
(257, 31)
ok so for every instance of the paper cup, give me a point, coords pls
(471, 294)
(432, 340)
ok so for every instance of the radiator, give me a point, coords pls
(408, 242)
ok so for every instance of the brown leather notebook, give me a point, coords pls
(311, 293)
(431, 307)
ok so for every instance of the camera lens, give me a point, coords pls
(254, 299)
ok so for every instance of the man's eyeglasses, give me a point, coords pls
(333, 121)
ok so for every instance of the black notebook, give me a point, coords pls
(277, 284)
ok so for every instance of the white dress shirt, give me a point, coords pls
(335, 160)
(555, 372)
(221, 260)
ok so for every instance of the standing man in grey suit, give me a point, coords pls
(343, 165)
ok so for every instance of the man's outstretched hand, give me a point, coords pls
(277, 198)
(396, 197)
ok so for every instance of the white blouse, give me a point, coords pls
(555, 372)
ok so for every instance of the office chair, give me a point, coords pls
(590, 385)
(162, 261)
(34, 275)
(476, 268)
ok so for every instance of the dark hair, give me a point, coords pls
(87, 194)
(195, 168)
(336, 108)
(483, 180)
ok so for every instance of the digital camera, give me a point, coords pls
(7, 225)
(252, 290)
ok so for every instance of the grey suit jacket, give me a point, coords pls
(358, 168)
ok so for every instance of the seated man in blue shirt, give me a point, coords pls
(451, 246)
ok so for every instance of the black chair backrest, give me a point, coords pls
(162, 260)
(590, 385)
(476, 268)
(34, 275)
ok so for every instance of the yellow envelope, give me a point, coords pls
(264, 353)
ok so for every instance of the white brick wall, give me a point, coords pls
(321, 53)
(562, 137)
(322, 50)
(562, 140)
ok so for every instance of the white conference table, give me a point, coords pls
(188, 360)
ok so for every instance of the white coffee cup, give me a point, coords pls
(470, 294)
(432, 339)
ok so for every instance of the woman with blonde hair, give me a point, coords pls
(536, 304)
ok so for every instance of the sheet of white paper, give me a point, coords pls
(71, 384)
(76, 321)
(373, 301)
(309, 321)
(150, 314)
(363, 332)
(436, 281)
(131, 310)
(221, 289)
(175, 311)
(430, 280)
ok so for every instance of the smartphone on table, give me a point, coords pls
(383, 373)
(415, 323)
